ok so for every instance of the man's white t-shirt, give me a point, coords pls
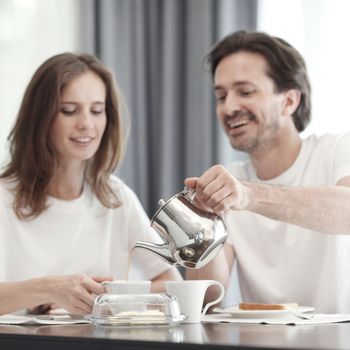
(77, 236)
(280, 262)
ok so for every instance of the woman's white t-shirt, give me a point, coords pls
(280, 262)
(77, 236)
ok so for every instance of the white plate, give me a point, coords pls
(237, 313)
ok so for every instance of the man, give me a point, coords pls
(287, 208)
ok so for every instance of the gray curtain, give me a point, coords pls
(156, 49)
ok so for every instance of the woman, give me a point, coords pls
(67, 224)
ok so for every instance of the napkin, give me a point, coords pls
(41, 319)
(290, 320)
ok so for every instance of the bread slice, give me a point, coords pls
(258, 306)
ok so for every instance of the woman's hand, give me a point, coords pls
(217, 191)
(75, 293)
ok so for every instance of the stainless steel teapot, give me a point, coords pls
(192, 237)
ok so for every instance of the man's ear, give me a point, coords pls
(292, 100)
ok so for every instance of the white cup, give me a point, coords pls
(190, 295)
(127, 287)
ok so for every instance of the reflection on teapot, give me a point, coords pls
(192, 237)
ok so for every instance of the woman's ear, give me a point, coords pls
(292, 100)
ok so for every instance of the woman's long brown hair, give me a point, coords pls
(33, 162)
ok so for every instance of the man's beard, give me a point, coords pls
(264, 140)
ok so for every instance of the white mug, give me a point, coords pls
(190, 295)
(127, 287)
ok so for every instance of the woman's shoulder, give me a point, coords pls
(6, 190)
(7, 186)
(120, 188)
(129, 201)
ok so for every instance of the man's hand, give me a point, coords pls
(318, 208)
(217, 191)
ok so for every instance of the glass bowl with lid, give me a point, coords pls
(136, 310)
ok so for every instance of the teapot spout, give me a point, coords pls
(160, 249)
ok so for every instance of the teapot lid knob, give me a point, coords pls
(161, 202)
(189, 193)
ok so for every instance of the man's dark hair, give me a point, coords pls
(286, 66)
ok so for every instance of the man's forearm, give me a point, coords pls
(324, 209)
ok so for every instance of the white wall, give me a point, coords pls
(30, 32)
(319, 29)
